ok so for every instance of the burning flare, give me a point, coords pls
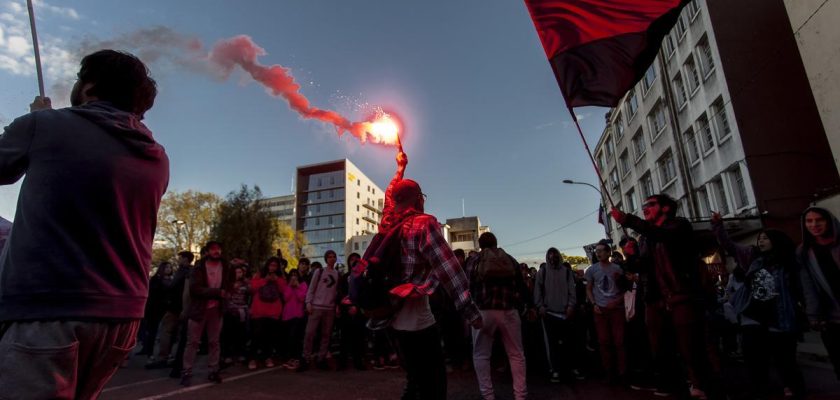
(241, 51)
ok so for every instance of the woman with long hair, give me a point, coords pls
(266, 309)
(767, 306)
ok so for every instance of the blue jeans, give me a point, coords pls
(61, 359)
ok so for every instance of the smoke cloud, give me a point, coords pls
(161, 45)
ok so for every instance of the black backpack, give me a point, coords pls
(270, 292)
(379, 271)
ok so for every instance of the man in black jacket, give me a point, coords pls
(210, 282)
(673, 297)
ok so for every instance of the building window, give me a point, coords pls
(681, 28)
(632, 107)
(614, 180)
(623, 163)
(358, 195)
(692, 9)
(679, 89)
(657, 120)
(707, 61)
(357, 221)
(720, 196)
(649, 78)
(721, 121)
(740, 188)
(692, 75)
(704, 130)
(639, 145)
(668, 42)
(646, 184)
(600, 158)
(610, 149)
(691, 145)
(358, 182)
(631, 200)
(667, 169)
(703, 198)
(619, 126)
(356, 246)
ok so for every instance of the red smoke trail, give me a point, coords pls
(243, 52)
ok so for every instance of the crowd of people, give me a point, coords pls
(646, 311)
(651, 311)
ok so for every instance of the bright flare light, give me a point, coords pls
(384, 129)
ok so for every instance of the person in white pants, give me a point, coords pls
(499, 290)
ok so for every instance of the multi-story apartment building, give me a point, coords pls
(688, 128)
(282, 208)
(335, 201)
(464, 232)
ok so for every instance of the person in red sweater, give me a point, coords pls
(266, 309)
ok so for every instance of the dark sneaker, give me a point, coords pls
(214, 377)
(303, 366)
(186, 380)
(378, 366)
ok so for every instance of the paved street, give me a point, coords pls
(134, 382)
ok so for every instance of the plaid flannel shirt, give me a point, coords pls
(429, 262)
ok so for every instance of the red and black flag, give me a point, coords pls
(599, 49)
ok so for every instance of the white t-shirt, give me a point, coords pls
(415, 315)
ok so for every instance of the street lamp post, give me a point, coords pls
(602, 206)
(178, 224)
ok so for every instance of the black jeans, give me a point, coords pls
(680, 329)
(559, 336)
(422, 358)
(760, 347)
(831, 340)
(265, 338)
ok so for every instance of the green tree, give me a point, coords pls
(162, 254)
(245, 226)
(291, 242)
(186, 219)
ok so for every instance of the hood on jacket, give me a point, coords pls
(549, 251)
(833, 225)
(123, 125)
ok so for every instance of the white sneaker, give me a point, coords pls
(252, 365)
(269, 363)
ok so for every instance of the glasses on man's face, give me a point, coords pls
(650, 204)
(424, 196)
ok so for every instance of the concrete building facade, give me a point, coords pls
(815, 28)
(335, 201)
(691, 128)
(282, 208)
(462, 233)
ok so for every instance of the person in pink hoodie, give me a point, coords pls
(293, 322)
(266, 309)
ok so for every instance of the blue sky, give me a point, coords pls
(484, 119)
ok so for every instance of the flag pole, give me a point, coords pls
(604, 191)
(35, 46)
